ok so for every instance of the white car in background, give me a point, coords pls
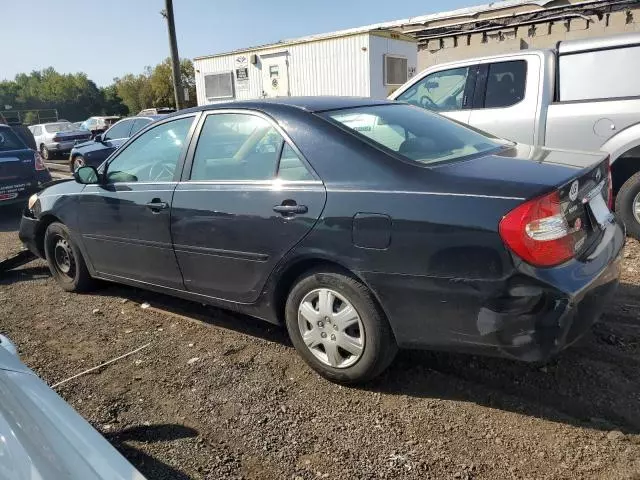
(57, 137)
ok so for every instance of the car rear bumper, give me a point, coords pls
(63, 146)
(19, 190)
(531, 315)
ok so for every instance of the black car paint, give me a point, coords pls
(95, 151)
(425, 239)
(18, 174)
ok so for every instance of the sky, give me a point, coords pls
(108, 39)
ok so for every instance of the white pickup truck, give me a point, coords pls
(582, 95)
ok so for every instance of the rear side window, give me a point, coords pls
(119, 130)
(505, 84)
(9, 140)
(138, 125)
(413, 133)
(600, 75)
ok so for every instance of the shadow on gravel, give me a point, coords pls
(24, 274)
(10, 216)
(594, 383)
(146, 464)
(197, 312)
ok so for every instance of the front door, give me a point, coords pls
(275, 75)
(125, 220)
(242, 206)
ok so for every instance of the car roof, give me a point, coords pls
(310, 104)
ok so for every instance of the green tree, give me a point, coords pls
(162, 83)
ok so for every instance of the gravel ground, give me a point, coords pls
(223, 396)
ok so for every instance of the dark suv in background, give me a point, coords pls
(22, 170)
(96, 151)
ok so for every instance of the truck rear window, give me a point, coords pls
(611, 74)
(10, 141)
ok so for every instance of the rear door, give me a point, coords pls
(448, 92)
(247, 197)
(506, 98)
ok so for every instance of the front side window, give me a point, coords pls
(9, 140)
(119, 130)
(413, 133)
(439, 91)
(153, 156)
(506, 83)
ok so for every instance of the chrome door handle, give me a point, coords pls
(156, 205)
(288, 210)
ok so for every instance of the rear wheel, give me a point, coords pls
(337, 327)
(77, 162)
(628, 205)
(65, 260)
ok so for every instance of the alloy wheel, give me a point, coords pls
(331, 328)
(636, 207)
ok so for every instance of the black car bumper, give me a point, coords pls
(28, 234)
(530, 316)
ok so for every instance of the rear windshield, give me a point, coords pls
(59, 127)
(414, 133)
(10, 141)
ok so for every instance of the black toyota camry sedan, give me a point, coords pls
(363, 226)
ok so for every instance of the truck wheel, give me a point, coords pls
(628, 205)
(337, 327)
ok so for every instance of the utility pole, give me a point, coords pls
(175, 59)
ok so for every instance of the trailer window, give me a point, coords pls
(395, 70)
(218, 85)
(599, 75)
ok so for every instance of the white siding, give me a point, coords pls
(335, 66)
(378, 48)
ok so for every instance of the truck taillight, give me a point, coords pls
(609, 185)
(38, 162)
(537, 231)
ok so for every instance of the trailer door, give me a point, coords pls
(275, 75)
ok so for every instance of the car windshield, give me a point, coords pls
(9, 140)
(59, 127)
(414, 133)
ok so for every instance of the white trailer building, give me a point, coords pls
(365, 62)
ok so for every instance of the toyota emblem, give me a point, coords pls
(573, 193)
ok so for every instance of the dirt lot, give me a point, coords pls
(218, 395)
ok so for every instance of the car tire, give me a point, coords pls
(77, 162)
(44, 151)
(65, 260)
(626, 201)
(367, 336)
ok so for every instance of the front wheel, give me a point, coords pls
(628, 205)
(77, 162)
(65, 260)
(337, 327)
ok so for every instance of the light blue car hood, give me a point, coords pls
(42, 437)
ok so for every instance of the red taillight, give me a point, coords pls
(609, 185)
(39, 162)
(57, 139)
(537, 232)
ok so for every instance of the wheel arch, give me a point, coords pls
(46, 220)
(294, 269)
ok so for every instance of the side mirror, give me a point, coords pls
(98, 138)
(87, 175)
